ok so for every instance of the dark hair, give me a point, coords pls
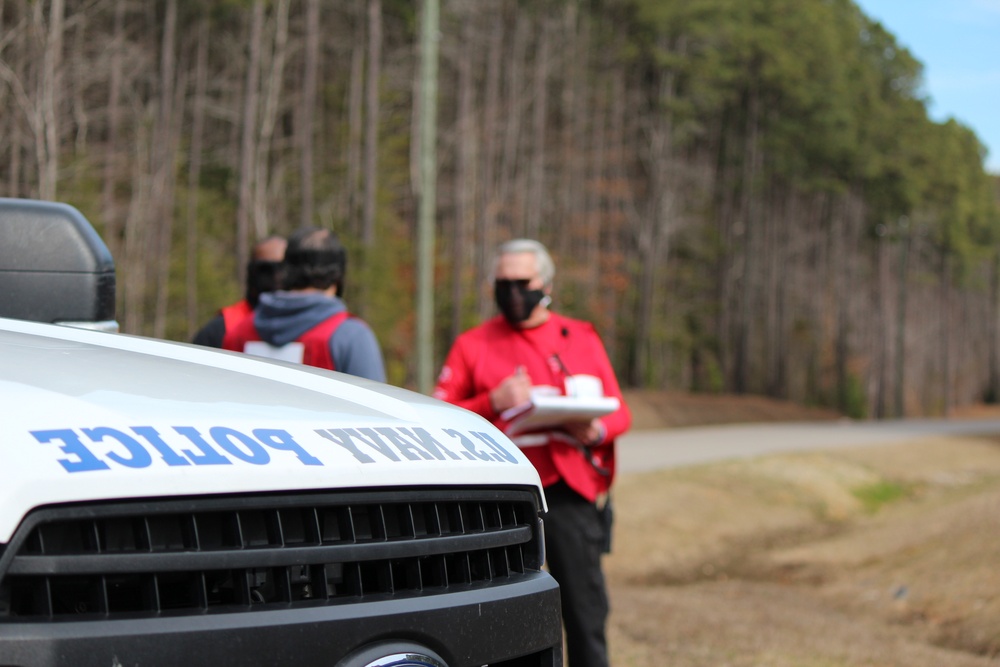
(314, 258)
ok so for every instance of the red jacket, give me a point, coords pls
(315, 341)
(482, 357)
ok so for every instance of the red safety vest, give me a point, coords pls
(316, 341)
(235, 313)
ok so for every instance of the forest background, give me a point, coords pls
(744, 196)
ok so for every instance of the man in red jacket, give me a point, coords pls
(496, 366)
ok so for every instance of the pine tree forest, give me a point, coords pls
(744, 196)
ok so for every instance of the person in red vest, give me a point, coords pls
(497, 366)
(307, 321)
(262, 276)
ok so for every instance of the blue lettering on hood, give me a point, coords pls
(368, 445)
(92, 449)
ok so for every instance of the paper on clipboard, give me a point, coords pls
(546, 411)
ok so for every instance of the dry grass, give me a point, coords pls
(666, 409)
(880, 556)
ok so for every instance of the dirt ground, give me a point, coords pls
(877, 556)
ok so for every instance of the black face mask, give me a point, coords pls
(515, 300)
(262, 276)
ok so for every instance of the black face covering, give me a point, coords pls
(262, 276)
(515, 300)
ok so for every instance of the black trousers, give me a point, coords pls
(575, 535)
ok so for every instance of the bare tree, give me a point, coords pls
(465, 180)
(515, 104)
(49, 98)
(372, 118)
(11, 64)
(993, 330)
(595, 197)
(163, 153)
(194, 172)
(654, 213)
(569, 184)
(944, 304)
(308, 111)
(491, 130)
(113, 154)
(355, 137)
(616, 208)
(79, 80)
(536, 182)
(747, 217)
(135, 244)
(248, 158)
(271, 90)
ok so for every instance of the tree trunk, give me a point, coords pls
(372, 119)
(536, 184)
(746, 219)
(616, 209)
(881, 304)
(839, 252)
(782, 226)
(464, 177)
(194, 173)
(653, 224)
(308, 112)
(110, 212)
(506, 195)
(594, 257)
(269, 114)
(13, 129)
(993, 332)
(248, 160)
(16, 140)
(355, 137)
(944, 321)
(900, 360)
(50, 99)
(491, 130)
(164, 151)
(79, 84)
(569, 187)
(134, 242)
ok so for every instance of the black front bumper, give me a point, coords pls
(517, 624)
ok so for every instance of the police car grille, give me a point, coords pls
(248, 554)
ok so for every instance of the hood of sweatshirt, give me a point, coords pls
(281, 317)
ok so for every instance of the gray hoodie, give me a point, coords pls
(281, 317)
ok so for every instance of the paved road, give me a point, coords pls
(650, 450)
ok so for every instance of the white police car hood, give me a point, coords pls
(88, 416)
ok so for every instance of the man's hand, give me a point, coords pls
(514, 390)
(588, 433)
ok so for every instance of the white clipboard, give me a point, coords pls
(546, 412)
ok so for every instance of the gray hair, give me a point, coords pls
(546, 267)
